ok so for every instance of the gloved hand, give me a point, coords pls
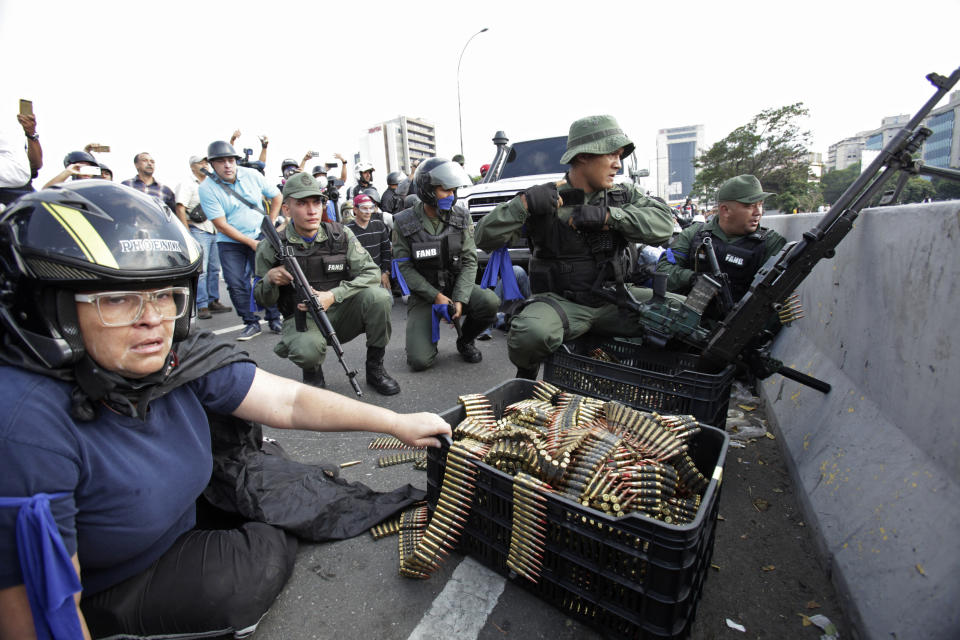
(542, 199)
(588, 217)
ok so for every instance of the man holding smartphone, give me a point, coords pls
(77, 165)
(19, 164)
(144, 181)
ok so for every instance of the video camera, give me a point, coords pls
(331, 191)
(251, 164)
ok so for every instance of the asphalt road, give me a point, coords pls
(764, 573)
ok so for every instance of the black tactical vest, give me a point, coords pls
(436, 257)
(569, 262)
(740, 260)
(324, 264)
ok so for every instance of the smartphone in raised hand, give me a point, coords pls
(26, 107)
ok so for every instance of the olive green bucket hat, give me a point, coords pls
(745, 189)
(598, 135)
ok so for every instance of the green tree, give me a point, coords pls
(835, 182)
(917, 190)
(947, 189)
(773, 148)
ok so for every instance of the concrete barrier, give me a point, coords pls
(877, 460)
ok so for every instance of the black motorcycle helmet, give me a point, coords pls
(221, 149)
(373, 193)
(90, 235)
(394, 178)
(438, 172)
(79, 156)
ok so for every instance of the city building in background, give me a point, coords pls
(816, 166)
(392, 145)
(941, 149)
(676, 150)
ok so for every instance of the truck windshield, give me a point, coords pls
(535, 157)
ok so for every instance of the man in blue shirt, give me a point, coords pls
(238, 228)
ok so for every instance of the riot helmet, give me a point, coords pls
(79, 156)
(91, 235)
(438, 172)
(372, 193)
(221, 149)
(394, 178)
(288, 167)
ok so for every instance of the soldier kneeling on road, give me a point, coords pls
(345, 280)
(577, 228)
(437, 257)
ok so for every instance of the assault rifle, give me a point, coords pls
(305, 296)
(300, 282)
(741, 336)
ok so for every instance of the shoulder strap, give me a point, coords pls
(407, 222)
(231, 191)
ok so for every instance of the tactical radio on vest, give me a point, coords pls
(436, 257)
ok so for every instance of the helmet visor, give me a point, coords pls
(450, 175)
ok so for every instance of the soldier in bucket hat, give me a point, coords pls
(739, 242)
(578, 228)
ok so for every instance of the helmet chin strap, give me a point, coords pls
(96, 384)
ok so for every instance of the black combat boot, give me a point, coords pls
(468, 351)
(314, 377)
(530, 373)
(377, 376)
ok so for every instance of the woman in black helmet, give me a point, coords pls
(104, 434)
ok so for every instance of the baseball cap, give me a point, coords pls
(301, 185)
(195, 159)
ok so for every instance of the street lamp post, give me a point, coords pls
(459, 112)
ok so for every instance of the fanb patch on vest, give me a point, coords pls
(732, 259)
(422, 254)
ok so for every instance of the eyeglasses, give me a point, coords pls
(125, 308)
(367, 208)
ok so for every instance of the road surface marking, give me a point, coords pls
(462, 608)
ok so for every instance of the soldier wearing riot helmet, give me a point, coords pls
(345, 280)
(577, 228)
(437, 257)
(391, 202)
(107, 400)
(740, 244)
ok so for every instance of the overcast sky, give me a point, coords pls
(169, 77)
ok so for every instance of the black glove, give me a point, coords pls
(589, 217)
(542, 199)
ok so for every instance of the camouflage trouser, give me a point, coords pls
(537, 331)
(480, 312)
(365, 312)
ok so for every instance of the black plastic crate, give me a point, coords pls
(629, 577)
(645, 378)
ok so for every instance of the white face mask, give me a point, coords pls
(322, 181)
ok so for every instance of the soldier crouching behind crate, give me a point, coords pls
(345, 280)
(577, 228)
(436, 255)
